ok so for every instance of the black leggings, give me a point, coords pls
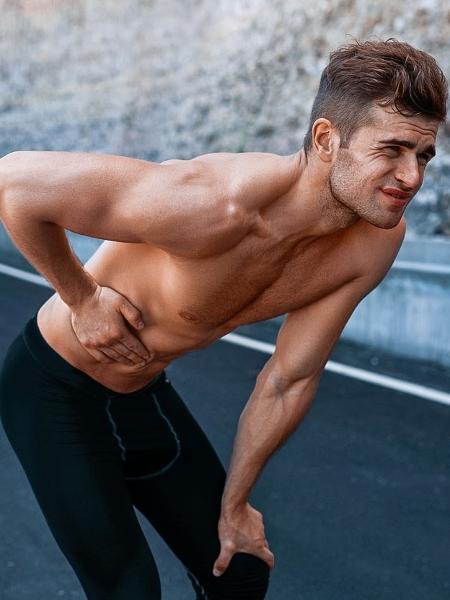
(90, 454)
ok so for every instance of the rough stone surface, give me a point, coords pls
(158, 79)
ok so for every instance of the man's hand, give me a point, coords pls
(98, 323)
(241, 530)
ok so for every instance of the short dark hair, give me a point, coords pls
(389, 73)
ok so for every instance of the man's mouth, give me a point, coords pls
(395, 193)
(397, 197)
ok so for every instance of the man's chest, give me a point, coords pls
(258, 279)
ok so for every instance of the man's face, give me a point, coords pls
(384, 160)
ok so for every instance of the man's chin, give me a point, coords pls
(383, 220)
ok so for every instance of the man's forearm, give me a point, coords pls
(266, 422)
(44, 244)
(46, 247)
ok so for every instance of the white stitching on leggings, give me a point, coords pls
(177, 441)
(201, 588)
(114, 427)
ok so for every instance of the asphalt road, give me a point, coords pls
(356, 504)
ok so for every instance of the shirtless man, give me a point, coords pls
(195, 248)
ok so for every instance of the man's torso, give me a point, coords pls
(251, 273)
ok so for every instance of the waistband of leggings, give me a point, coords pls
(55, 365)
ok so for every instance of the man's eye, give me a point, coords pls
(394, 149)
(424, 158)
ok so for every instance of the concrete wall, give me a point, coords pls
(407, 314)
(189, 77)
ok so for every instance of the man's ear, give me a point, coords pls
(325, 139)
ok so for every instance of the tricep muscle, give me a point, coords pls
(104, 196)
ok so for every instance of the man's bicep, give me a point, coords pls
(308, 335)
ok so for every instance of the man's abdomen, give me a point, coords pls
(135, 273)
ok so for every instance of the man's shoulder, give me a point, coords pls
(240, 160)
(214, 198)
(251, 179)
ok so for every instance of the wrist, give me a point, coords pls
(85, 290)
(228, 509)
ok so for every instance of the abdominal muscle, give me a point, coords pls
(136, 271)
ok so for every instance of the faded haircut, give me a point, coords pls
(388, 73)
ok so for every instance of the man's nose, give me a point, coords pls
(408, 173)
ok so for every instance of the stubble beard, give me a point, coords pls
(347, 187)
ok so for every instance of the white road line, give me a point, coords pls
(335, 367)
(25, 275)
(354, 372)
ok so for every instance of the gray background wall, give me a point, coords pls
(158, 79)
(163, 78)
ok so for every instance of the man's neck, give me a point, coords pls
(310, 205)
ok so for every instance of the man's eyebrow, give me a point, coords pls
(431, 149)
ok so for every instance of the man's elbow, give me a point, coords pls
(8, 166)
(283, 385)
(293, 397)
(11, 159)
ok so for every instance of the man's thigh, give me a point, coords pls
(67, 448)
(183, 500)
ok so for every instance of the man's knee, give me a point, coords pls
(247, 578)
(114, 577)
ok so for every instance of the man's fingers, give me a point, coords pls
(225, 556)
(132, 314)
(134, 348)
(115, 355)
(99, 356)
(118, 352)
(133, 354)
(223, 560)
(268, 557)
(264, 554)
